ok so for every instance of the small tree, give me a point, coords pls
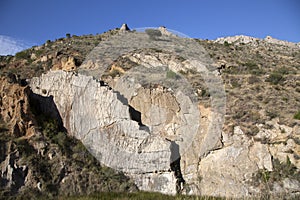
(68, 35)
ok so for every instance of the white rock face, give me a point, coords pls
(272, 40)
(143, 148)
(233, 166)
(237, 39)
(243, 39)
(101, 119)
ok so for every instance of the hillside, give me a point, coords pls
(163, 113)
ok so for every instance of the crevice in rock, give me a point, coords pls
(175, 166)
(135, 115)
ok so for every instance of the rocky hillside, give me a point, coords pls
(175, 115)
(39, 159)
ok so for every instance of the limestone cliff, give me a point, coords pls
(154, 108)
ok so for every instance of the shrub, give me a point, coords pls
(281, 170)
(272, 114)
(24, 148)
(235, 83)
(153, 33)
(171, 75)
(204, 93)
(22, 55)
(297, 115)
(226, 44)
(285, 71)
(275, 78)
(251, 65)
(50, 127)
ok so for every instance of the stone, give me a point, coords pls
(124, 28)
(33, 56)
(44, 58)
(66, 63)
(260, 154)
(291, 185)
(164, 31)
(233, 167)
(15, 108)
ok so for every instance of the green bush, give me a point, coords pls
(275, 78)
(272, 114)
(226, 44)
(153, 33)
(50, 127)
(297, 115)
(22, 55)
(24, 148)
(281, 170)
(39, 52)
(171, 75)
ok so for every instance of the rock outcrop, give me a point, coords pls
(243, 39)
(114, 130)
(15, 108)
(67, 64)
(153, 106)
(124, 28)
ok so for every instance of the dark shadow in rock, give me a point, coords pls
(175, 166)
(46, 106)
(19, 174)
(135, 115)
(121, 97)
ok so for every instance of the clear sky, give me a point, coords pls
(39, 20)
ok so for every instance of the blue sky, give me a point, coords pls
(39, 20)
